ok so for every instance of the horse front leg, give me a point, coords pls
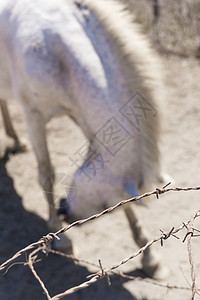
(37, 133)
(17, 146)
(150, 261)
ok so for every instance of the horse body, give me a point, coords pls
(87, 60)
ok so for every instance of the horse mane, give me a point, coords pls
(142, 72)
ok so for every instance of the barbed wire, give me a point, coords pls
(119, 273)
(105, 272)
(42, 245)
(50, 236)
(190, 234)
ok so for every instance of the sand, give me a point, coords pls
(23, 211)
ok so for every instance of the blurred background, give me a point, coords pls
(172, 25)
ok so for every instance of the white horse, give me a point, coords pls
(88, 60)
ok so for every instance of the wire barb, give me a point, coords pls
(43, 246)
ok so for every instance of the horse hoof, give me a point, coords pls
(20, 148)
(64, 244)
(158, 271)
(164, 178)
(154, 268)
(13, 150)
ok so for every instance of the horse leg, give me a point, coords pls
(17, 147)
(37, 133)
(150, 261)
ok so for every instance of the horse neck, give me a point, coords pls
(131, 69)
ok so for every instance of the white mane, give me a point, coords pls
(142, 70)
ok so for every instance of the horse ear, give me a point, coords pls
(132, 190)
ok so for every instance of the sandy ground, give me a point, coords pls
(24, 210)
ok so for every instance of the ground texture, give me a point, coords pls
(24, 211)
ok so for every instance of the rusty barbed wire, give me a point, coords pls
(105, 272)
(49, 237)
(31, 259)
(121, 274)
(189, 234)
(42, 246)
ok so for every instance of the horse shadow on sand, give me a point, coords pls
(19, 228)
